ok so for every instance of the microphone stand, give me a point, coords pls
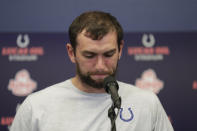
(111, 87)
(112, 114)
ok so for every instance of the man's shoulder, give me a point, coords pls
(131, 91)
(51, 91)
(56, 87)
(127, 87)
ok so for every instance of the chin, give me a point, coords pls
(98, 80)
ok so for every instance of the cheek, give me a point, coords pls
(111, 63)
(86, 65)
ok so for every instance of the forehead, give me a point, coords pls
(107, 42)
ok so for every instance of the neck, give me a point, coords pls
(84, 87)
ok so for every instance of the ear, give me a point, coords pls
(121, 48)
(70, 51)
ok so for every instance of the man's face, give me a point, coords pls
(96, 59)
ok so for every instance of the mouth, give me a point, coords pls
(99, 76)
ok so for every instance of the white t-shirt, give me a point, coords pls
(63, 107)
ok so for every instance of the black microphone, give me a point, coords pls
(111, 87)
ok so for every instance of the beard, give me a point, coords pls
(86, 78)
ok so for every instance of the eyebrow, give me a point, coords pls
(90, 52)
(110, 51)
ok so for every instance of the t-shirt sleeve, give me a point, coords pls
(23, 118)
(162, 122)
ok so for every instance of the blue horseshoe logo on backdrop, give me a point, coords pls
(131, 115)
(148, 40)
(23, 41)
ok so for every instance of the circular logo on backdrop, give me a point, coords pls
(149, 81)
(22, 84)
(194, 85)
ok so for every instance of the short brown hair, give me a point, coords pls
(97, 24)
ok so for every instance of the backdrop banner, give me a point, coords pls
(165, 63)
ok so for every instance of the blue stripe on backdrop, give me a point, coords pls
(134, 15)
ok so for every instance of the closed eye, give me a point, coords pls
(88, 54)
(110, 53)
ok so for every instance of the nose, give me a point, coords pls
(100, 64)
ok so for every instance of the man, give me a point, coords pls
(81, 103)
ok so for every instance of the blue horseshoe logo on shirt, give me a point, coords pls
(131, 115)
